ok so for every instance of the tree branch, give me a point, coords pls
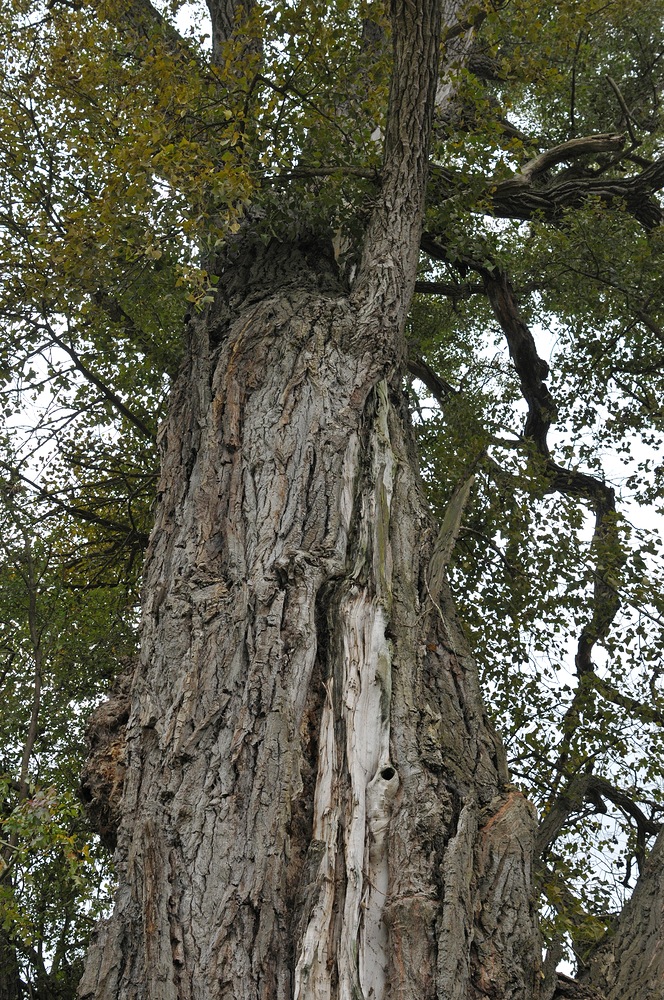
(609, 142)
(80, 513)
(94, 379)
(35, 639)
(588, 787)
(515, 199)
(625, 110)
(342, 170)
(390, 254)
(527, 195)
(633, 954)
(436, 385)
(142, 16)
(531, 369)
(569, 989)
(449, 289)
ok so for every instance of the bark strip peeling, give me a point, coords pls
(364, 679)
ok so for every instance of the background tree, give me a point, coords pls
(315, 803)
(58, 648)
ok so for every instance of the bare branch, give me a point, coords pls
(609, 142)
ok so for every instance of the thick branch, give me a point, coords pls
(144, 16)
(528, 195)
(570, 989)
(228, 18)
(447, 537)
(571, 150)
(531, 369)
(386, 277)
(605, 542)
(448, 289)
(518, 201)
(584, 788)
(436, 385)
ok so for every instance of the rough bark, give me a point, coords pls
(629, 965)
(314, 804)
(102, 779)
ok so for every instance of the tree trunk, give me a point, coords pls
(314, 804)
(629, 965)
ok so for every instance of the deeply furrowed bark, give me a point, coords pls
(314, 805)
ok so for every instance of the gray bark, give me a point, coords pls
(629, 965)
(314, 804)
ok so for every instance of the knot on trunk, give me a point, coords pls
(381, 792)
(102, 777)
